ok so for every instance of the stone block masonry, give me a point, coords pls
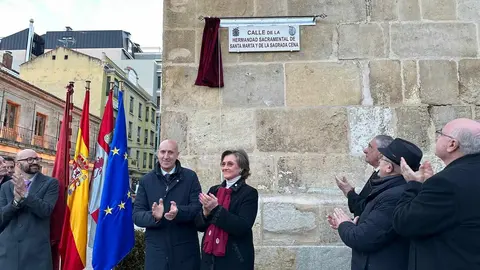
(403, 68)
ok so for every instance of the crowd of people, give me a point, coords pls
(405, 217)
(409, 217)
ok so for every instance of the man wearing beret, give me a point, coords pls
(375, 244)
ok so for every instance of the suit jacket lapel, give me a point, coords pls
(37, 183)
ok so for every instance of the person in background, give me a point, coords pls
(227, 217)
(166, 204)
(10, 165)
(3, 172)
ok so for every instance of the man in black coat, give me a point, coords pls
(356, 202)
(439, 213)
(375, 245)
(166, 204)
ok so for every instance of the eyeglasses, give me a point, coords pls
(30, 160)
(440, 133)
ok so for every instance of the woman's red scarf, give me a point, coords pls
(215, 241)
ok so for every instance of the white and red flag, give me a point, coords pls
(99, 166)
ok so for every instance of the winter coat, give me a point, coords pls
(237, 221)
(375, 244)
(441, 218)
(170, 245)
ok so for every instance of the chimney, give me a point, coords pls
(28, 53)
(7, 59)
(68, 28)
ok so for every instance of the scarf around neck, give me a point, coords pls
(215, 241)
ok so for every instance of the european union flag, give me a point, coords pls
(115, 235)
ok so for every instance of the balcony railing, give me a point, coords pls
(27, 137)
(18, 134)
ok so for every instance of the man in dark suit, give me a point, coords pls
(438, 212)
(356, 202)
(166, 205)
(26, 203)
(375, 245)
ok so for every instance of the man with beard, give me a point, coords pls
(26, 203)
(4, 177)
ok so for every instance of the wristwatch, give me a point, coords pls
(17, 203)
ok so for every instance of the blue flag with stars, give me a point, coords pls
(115, 235)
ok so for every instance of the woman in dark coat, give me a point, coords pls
(228, 213)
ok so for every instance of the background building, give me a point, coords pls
(51, 69)
(148, 65)
(18, 43)
(403, 68)
(117, 45)
(31, 118)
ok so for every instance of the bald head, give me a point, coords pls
(29, 161)
(464, 124)
(458, 138)
(167, 154)
(26, 153)
(170, 144)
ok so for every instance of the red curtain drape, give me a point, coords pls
(210, 70)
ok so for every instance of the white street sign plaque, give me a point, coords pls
(275, 38)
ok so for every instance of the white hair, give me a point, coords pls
(383, 140)
(469, 143)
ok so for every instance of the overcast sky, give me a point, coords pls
(142, 18)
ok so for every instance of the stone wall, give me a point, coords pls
(403, 68)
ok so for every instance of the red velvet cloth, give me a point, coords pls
(210, 70)
(216, 239)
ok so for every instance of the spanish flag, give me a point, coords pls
(74, 234)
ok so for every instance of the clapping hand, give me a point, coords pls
(173, 211)
(343, 185)
(333, 222)
(157, 210)
(338, 218)
(209, 202)
(19, 187)
(424, 172)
